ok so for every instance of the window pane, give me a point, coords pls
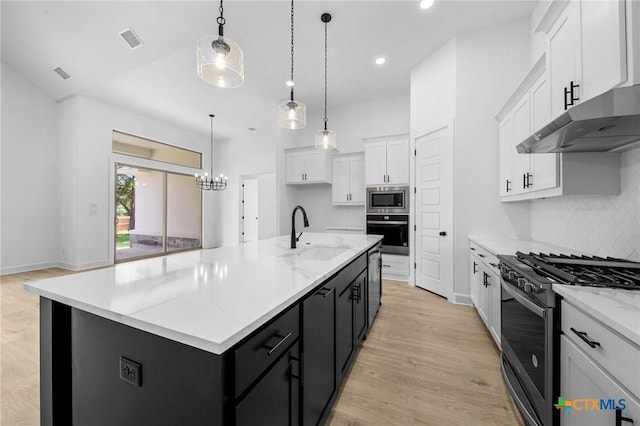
(139, 212)
(136, 146)
(184, 207)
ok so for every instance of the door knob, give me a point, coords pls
(442, 233)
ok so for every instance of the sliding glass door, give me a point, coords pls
(156, 212)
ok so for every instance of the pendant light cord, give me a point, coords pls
(292, 81)
(221, 21)
(325, 76)
(211, 170)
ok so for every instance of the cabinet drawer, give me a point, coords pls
(395, 265)
(612, 352)
(485, 255)
(262, 349)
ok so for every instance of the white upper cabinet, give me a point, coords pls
(348, 180)
(586, 52)
(507, 154)
(387, 162)
(308, 165)
(527, 176)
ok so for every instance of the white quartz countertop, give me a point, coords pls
(505, 246)
(618, 309)
(209, 299)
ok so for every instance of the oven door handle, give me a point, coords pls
(539, 311)
(388, 222)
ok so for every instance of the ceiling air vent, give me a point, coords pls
(130, 38)
(62, 73)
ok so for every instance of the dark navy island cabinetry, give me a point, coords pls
(286, 372)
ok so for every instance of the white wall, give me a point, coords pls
(86, 198)
(352, 123)
(28, 176)
(255, 154)
(469, 79)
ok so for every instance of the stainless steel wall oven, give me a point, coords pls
(395, 230)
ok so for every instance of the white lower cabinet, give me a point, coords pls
(597, 364)
(484, 281)
(395, 266)
(582, 379)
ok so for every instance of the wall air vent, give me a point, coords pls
(131, 38)
(62, 73)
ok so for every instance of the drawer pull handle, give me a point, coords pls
(480, 254)
(620, 418)
(472, 249)
(274, 348)
(583, 336)
(386, 266)
(324, 292)
(495, 265)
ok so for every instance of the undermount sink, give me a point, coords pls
(319, 253)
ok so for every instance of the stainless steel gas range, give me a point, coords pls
(530, 321)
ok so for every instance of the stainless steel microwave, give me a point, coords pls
(388, 199)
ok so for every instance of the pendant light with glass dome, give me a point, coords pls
(292, 114)
(220, 60)
(325, 139)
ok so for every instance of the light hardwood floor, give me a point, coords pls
(425, 362)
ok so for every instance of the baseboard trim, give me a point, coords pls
(461, 299)
(27, 268)
(83, 266)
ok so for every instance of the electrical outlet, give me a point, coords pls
(130, 371)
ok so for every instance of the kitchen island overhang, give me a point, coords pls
(209, 300)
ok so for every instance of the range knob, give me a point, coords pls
(522, 282)
(511, 275)
(530, 288)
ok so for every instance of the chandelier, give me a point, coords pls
(209, 183)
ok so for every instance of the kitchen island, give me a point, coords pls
(256, 333)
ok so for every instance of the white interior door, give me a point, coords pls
(250, 210)
(434, 211)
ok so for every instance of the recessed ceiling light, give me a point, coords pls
(426, 4)
(380, 61)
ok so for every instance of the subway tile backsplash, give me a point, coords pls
(599, 225)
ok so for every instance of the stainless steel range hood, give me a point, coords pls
(609, 122)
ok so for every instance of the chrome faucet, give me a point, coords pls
(295, 239)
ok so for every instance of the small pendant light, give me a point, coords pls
(325, 138)
(220, 60)
(292, 114)
(209, 183)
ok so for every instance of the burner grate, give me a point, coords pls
(587, 270)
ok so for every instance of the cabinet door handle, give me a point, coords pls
(620, 418)
(524, 181)
(508, 187)
(529, 176)
(574, 98)
(272, 349)
(566, 102)
(583, 335)
(475, 267)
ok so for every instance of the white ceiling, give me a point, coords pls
(159, 79)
